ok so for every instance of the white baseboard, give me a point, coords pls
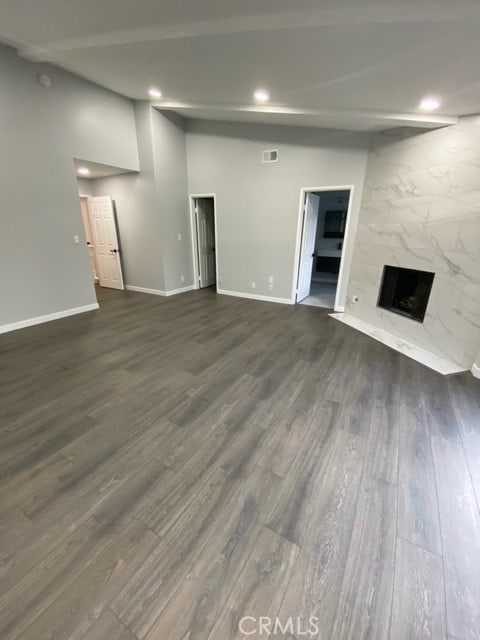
(22, 324)
(158, 292)
(155, 292)
(254, 296)
(475, 370)
(174, 292)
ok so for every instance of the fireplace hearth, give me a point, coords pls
(405, 291)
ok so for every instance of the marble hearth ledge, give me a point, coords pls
(445, 367)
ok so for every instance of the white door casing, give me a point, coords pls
(104, 232)
(205, 223)
(310, 218)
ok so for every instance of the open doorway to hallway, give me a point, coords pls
(100, 223)
(203, 230)
(325, 214)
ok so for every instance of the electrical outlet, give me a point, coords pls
(182, 279)
(270, 280)
(253, 285)
(270, 286)
(179, 237)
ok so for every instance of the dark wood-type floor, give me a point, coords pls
(169, 465)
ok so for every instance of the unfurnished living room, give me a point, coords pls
(240, 320)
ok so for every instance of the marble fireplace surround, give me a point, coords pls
(421, 210)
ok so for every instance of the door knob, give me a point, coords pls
(114, 250)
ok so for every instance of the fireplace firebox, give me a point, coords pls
(405, 291)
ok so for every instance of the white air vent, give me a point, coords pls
(270, 155)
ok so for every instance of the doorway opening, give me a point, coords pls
(204, 240)
(324, 217)
(99, 217)
(100, 226)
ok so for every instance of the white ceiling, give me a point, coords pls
(353, 64)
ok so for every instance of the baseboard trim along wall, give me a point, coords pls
(476, 371)
(441, 365)
(158, 292)
(22, 324)
(254, 296)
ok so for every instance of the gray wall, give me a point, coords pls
(170, 159)
(421, 210)
(138, 212)
(258, 204)
(152, 207)
(85, 186)
(43, 130)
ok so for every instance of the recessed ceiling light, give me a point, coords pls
(261, 95)
(83, 171)
(429, 104)
(154, 92)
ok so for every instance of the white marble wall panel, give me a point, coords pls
(421, 210)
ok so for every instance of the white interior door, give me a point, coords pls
(307, 252)
(104, 234)
(205, 215)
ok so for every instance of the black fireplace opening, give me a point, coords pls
(405, 291)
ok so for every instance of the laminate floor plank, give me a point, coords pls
(476, 486)
(320, 521)
(366, 595)
(441, 415)
(418, 520)
(301, 499)
(14, 526)
(467, 410)
(108, 627)
(72, 612)
(34, 485)
(185, 533)
(76, 505)
(171, 464)
(419, 595)
(33, 591)
(260, 588)
(196, 604)
(460, 529)
(383, 444)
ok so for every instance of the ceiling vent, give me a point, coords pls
(270, 155)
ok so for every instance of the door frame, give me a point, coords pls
(193, 236)
(347, 247)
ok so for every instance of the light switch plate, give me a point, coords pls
(76, 239)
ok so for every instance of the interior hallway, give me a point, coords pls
(170, 465)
